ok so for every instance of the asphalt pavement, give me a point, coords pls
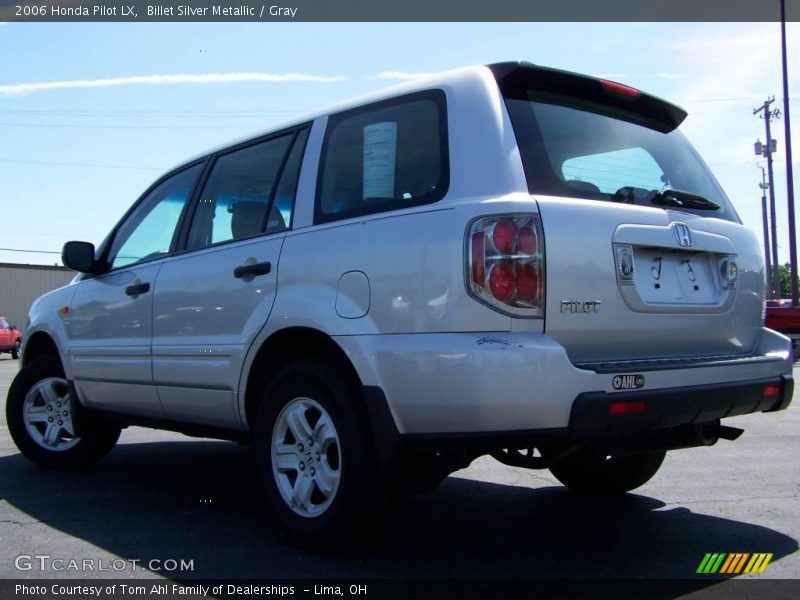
(164, 497)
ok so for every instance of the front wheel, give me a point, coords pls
(40, 414)
(315, 456)
(15, 349)
(592, 471)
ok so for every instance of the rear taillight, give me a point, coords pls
(505, 269)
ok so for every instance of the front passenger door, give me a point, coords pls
(110, 321)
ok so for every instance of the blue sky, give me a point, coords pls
(75, 155)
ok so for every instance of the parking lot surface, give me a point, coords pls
(161, 496)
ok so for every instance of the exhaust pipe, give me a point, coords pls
(684, 436)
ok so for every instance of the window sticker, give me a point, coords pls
(380, 151)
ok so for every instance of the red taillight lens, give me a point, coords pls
(506, 263)
(528, 240)
(771, 390)
(624, 408)
(502, 282)
(504, 236)
(478, 252)
(527, 283)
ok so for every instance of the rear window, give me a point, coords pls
(580, 150)
(384, 156)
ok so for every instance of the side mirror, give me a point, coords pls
(79, 256)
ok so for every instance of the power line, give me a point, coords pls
(147, 113)
(32, 251)
(72, 164)
(128, 126)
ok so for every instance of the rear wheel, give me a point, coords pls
(15, 349)
(40, 412)
(315, 456)
(592, 471)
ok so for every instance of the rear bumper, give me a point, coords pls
(451, 385)
(591, 415)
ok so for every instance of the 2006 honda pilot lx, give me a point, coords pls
(507, 260)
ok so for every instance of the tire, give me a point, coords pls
(326, 493)
(38, 396)
(591, 471)
(15, 350)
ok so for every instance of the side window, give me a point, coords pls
(237, 199)
(609, 171)
(148, 231)
(4, 324)
(384, 156)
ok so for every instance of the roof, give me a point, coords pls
(453, 77)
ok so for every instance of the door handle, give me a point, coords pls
(255, 269)
(137, 289)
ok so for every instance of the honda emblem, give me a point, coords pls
(683, 234)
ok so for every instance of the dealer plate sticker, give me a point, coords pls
(628, 382)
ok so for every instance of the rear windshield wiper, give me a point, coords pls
(681, 199)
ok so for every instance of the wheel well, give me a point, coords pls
(283, 348)
(38, 345)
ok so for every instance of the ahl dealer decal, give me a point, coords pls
(628, 382)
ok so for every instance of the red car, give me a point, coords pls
(10, 338)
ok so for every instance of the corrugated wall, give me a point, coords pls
(22, 284)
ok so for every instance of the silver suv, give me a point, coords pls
(506, 260)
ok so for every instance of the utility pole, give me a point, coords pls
(789, 174)
(767, 261)
(766, 150)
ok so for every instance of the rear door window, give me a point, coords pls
(384, 156)
(248, 192)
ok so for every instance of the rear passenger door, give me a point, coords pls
(212, 299)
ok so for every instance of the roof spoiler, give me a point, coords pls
(516, 79)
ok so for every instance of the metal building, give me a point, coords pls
(22, 284)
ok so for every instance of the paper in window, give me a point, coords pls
(380, 152)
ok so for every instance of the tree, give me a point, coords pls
(786, 280)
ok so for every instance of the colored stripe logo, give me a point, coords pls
(734, 563)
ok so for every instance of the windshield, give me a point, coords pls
(587, 150)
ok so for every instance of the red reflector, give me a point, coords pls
(618, 88)
(504, 235)
(502, 281)
(623, 408)
(771, 390)
(478, 258)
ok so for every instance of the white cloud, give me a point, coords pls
(670, 76)
(402, 75)
(16, 89)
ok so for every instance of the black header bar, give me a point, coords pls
(398, 10)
